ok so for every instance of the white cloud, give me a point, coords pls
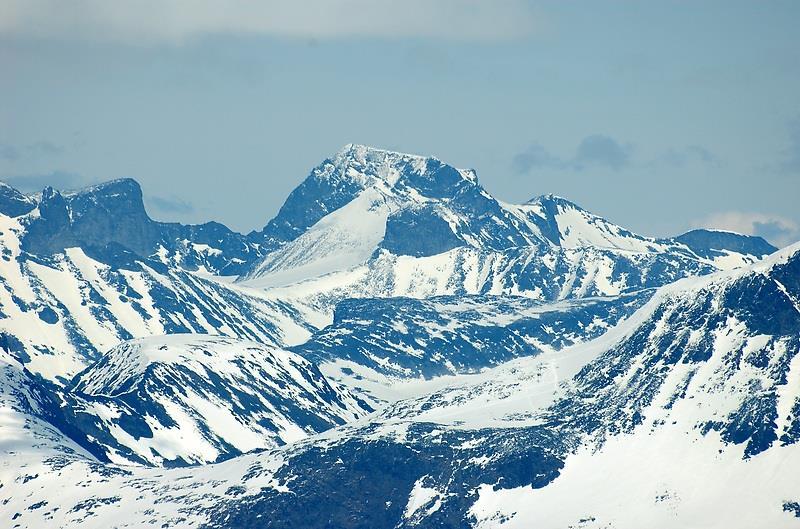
(156, 21)
(780, 231)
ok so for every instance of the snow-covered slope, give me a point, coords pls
(341, 240)
(58, 313)
(717, 353)
(567, 225)
(550, 276)
(703, 395)
(187, 399)
(698, 387)
(385, 347)
(650, 423)
(725, 345)
(666, 479)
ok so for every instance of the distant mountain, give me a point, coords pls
(393, 196)
(187, 399)
(716, 244)
(374, 223)
(104, 219)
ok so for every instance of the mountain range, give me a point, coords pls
(395, 348)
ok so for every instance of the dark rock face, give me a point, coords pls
(419, 232)
(362, 483)
(48, 315)
(112, 212)
(792, 507)
(438, 180)
(548, 225)
(478, 217)
(14, 347)
(708, 243)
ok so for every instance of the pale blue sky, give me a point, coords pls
(656, 115)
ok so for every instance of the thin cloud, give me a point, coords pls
(170, 205)
(9, 152)
(686, 156)
(778, 230)
(596, 150)
(536, 156)
(791, 154)
(156, 21)
(42, 148)
(37, 182)
(602, 151)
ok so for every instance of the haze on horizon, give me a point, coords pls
(658, 116)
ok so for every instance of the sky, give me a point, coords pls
(660, 116)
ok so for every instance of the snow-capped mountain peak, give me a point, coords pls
(109, 220)
(436, 199)
(416, 208)
(338, 180)
(373, 159)
(552, 198)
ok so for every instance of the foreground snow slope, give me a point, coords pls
(690, 402)
(664, 479)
